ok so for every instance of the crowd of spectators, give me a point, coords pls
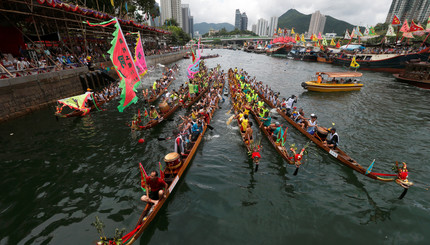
(42, 59)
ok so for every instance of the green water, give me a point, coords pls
(57, 176)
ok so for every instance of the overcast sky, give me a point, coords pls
(363, 12)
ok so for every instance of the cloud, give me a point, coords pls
(364, 12)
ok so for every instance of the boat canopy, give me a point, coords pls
(341, 74)
(76, 102)
(352, 47)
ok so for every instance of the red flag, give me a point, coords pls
(161, 171)
(405, 27)
(415, 27)
(143, 177)
(338, 44)
(396, 21)
(125, 67)
(146, 113)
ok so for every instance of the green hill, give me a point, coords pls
(204, 27)
(300, 22)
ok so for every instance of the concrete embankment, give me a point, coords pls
(22, 95)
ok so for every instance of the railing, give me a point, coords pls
(38, 70)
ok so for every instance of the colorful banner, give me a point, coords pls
(347, 36)
(143, 177)
(139, 57)
(366, 31)
(396, 21)
(354, 63)
(324, 42)
(195, 67)
(408, 35)
(332, 43)
(405, 27)
(337, 44)
(125, 67)
(76, 102)
(372, 31)
(428, 25)
(390, 31)
(303, 38)
(415, 27)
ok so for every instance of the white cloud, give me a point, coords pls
(364, 12)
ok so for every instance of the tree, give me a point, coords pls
(170, 22)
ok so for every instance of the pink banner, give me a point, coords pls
(139, 58)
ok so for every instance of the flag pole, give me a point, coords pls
(425, 40)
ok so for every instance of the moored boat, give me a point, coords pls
(394, 63)
(416, 73)
(280, 50)
(334, 82)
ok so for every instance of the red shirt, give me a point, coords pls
(156, 184)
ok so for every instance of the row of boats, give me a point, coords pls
(176, 164)
(407, 66)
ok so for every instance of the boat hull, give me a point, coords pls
(418, 83)
(330, 87)
(395, 64)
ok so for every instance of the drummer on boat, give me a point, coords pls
(154, 189)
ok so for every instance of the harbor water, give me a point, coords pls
(57, 176)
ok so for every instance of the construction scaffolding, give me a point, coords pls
(55, 22)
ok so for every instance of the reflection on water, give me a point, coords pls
(57, 176)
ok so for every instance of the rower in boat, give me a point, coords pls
(267, 120)
(154, 189)
(153, 114)
(312, 124)
(332, 139)
(278, 132)
(248, 134)
(196, 129)
(290, 103)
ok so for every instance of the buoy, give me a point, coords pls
(141, 141)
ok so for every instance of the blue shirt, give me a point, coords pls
(196, 128)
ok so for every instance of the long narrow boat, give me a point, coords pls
(164, 116)
(254, 154)
(78, 105)
(162, 91)
(336, 153)
(278, 147)
(190, 103)
(173, 175)
(153, 123)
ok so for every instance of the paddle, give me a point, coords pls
(160, 139)
(210, 127)
(403, 194)
(230, 120)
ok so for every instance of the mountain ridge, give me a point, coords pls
(204, 27)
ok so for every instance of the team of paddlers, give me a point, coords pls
(249, 95)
